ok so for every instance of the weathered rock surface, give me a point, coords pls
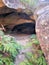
(1, 3)
(42, 29)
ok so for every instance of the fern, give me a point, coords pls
(9, 49)
(36, 57)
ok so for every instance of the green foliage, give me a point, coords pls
(34, 39)
(30, 3)
(5, 60)
(9, 49)
(36, 57)
(33, 59)
(36, 60)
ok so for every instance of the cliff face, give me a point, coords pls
(1, 3)
(5, 9)
(12, 15)
(20, 18)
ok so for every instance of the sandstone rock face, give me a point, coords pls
(15, 4)
(5, 9)
(21, 20)
(42, 29)
(11, 17)
(1, 3)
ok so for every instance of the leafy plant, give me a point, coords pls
(9, 49)
(36, 57)
(34, 39)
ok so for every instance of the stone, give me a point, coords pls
(5, 9)
(1, 3)
(42, 30)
